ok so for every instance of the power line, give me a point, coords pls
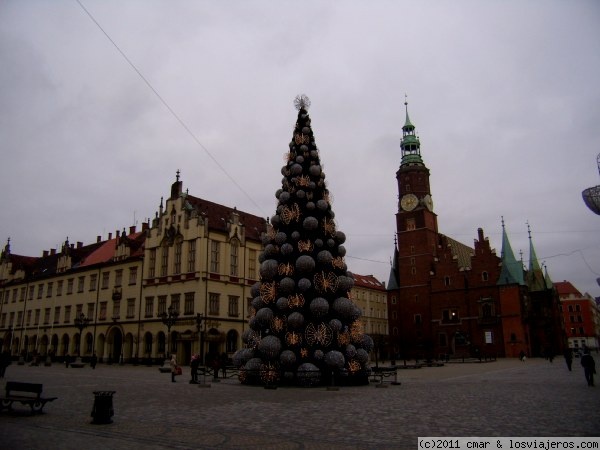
(173, 113)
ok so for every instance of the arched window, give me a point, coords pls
(484, 276)
(232, 341)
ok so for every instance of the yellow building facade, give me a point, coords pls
(179, 285)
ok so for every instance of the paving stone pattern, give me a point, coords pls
(501, 398)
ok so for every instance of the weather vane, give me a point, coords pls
(301, 102)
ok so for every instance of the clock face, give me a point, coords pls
(428, 202)
(409, 202)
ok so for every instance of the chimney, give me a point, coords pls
(109, 236)
(145, 225)
(45, 253)
(98, 239)
(132, 229)
(79, 244)
(53, 251)
(118, 234)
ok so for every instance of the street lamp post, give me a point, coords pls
(81, 322)
(168, 318)
(199, 319)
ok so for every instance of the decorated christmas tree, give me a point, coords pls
(305, 329)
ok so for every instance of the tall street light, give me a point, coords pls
(169, 318)
(81, 322)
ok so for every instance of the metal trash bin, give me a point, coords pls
(103, 407)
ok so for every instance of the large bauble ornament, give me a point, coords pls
(304, 284)
(315, 170)
(255, 289)
(286, 286)
(253, 365)
(341, 250)
(276, 221)
(268, 269)
(318, 354)
(310, 223)
(295, 320)
(296, 235)
(319, 243)
(308, 375)
(305, 264)
(340, 236)
(264, 316)
(257, 303)
(296, 169)
(280, 238)
(287, 249)
(270, 347)
(366, 342)
(300, 158)
(362, 356)
(345, 283)
(270, 250)
(242, 356)
(322, 205)
(287, 359)
(282, 303)
(335, 359)
(324, 257)
(319, 307)
(343, 307)
(300, 193)
(335, 325)
(310, 206)
(350, 351)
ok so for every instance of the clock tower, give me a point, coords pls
(415, 255)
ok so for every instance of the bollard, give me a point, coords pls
(102, 410)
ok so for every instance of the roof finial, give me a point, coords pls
(528, 230)
(502, 220)
(301, 102)
(177, 177)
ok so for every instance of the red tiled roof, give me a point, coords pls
(106, 251)
(565, 288)
(218, 216)
(367, 281)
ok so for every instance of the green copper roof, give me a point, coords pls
(535, 276)
(512, 270)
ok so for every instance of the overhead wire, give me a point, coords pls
(173, 113)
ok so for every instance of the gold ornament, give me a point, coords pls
(338, 262)
(296, 301)
(268, 291)
(269, 373)
(285, 269)
(293, 338)
(288, 156)
(329, 226)
(324, 282)
(305, 246)
(343, 338)
(271, 232)
(356, 331)
(300, 138)
(302, 180)
(289, 214)
(320, 334)
(304, 353)
(277, 324)
(353, 366)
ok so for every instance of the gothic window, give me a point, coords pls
(149, 307)
(164, 261)
(235, 248)
(252, 265)
(189, 303)
(233, 305)
(152, 263)
(214, 256)
(191, 256)
(178, 249)
(213, 304)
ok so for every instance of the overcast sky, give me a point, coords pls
(505, 96)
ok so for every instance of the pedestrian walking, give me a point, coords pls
(522, 355)
(569, 358)
(4, 362)
(589, 366)
(173, 364)
(194, 368)
(93, 360)
(67, 360)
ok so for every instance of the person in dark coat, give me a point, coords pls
(569, 358)
(93, 361)
(194, 368)
(589, 366)
(4, 362)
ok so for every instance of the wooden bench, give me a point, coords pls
(14, 391)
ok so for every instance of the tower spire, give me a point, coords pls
(535, 276)
(512, 270)
(409, 144)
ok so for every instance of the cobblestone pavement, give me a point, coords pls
(501, 398)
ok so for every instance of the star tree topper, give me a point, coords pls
(301, 102)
